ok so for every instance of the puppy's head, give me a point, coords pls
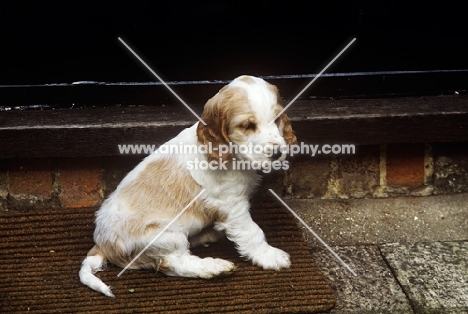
(240, 115)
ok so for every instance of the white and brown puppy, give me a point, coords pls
(153, 193)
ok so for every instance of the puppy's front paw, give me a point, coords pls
(272, 258)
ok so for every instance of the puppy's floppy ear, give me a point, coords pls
(288, 132)
(215, 131)
(282, 121)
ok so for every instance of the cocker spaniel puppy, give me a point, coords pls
(238, 140)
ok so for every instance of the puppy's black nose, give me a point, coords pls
(276, 155)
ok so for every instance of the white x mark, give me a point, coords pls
(316, 77)
(161, 80)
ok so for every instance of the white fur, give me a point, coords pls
(127, 229)
(90, 266)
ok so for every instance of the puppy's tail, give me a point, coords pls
(94, 262)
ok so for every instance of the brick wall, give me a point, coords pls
(60, 182)
(374, 171)
(382, 171)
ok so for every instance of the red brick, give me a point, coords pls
(31, 178)
(80, 182)
(405, 165)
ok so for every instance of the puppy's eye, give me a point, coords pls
(250, 126)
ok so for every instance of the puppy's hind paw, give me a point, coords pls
(218, 267)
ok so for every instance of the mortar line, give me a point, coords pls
(381, 189)
(383, 165)
(428, 165)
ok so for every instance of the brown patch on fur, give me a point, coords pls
(217, 114)
(274, 90)
(160, 192)
(111, 252)
(228, 115)
(288, 132)
(247, 79)
(243, 125)
(121, 259)
(95, 251)
(283, 119)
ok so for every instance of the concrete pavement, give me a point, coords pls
(410, 254)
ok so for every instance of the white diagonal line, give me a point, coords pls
(313, 233)
(161, 80)
(316, 77)
(162, 231)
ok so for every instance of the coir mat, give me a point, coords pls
(41, 254)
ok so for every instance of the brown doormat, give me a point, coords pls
(41, 253)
